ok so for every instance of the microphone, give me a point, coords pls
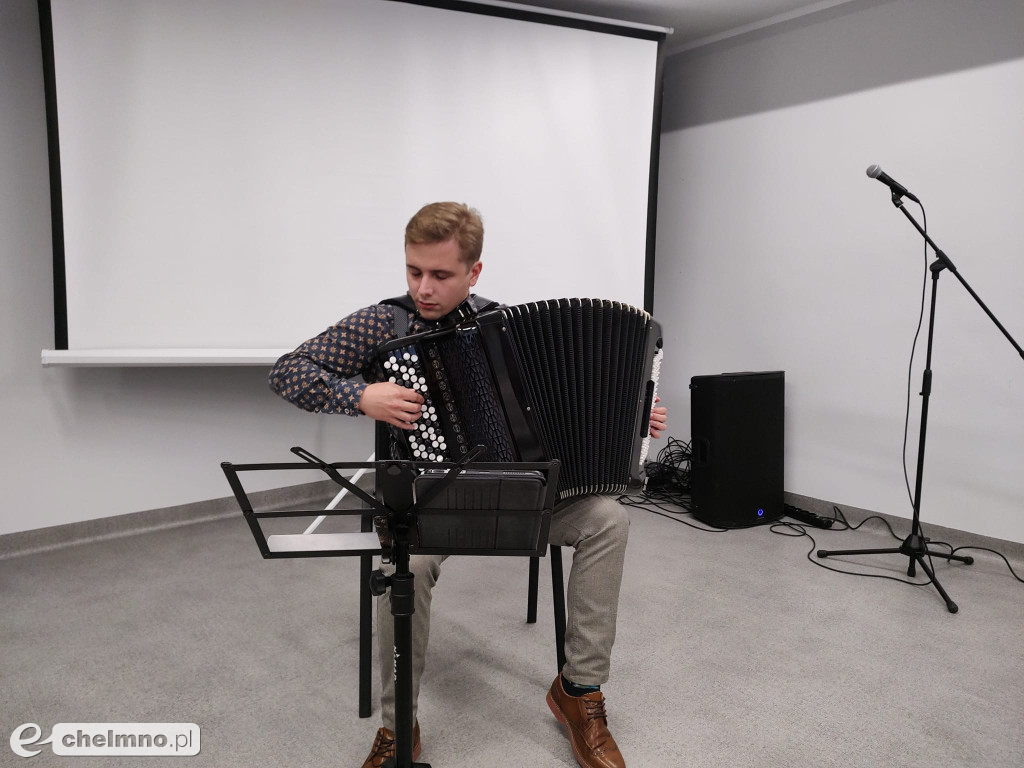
(876, 172)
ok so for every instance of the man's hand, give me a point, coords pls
(393, 403)
(659, 419)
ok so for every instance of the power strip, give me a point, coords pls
(807, 517)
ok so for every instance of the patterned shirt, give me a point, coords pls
(321, 374)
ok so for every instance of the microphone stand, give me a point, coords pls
(915, 546)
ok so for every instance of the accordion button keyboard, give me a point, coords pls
(426, 442)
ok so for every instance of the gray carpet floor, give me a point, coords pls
(733, 650)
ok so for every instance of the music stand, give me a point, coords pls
(427, 507)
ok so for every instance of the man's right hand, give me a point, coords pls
(393, 403)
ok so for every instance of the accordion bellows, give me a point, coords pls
(566, 379)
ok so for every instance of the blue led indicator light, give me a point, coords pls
(760, 513)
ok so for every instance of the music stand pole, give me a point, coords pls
(915, 546)
(397, 483)
(403, 595)
(400, 500)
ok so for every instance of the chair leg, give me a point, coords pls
(365, 634)
(531, 597)
(558, 598)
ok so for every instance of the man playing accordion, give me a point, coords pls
(443, 243)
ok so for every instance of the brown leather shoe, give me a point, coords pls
(384, 746)
(586, 724)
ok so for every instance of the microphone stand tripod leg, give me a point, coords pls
(950, 605)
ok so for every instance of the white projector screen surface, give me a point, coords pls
(238, 175)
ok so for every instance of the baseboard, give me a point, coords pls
(71, 534)
(1013, 550)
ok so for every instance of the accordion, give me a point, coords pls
(566, 379)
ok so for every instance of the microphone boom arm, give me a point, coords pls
(944, 262)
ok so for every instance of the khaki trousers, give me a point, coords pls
(597, 528)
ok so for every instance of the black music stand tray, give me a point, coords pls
(425, 507)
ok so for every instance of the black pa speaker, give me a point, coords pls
(736, 429)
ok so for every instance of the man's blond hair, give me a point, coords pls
(438, 222)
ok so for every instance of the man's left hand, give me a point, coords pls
(659, 418)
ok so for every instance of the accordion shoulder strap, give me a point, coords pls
(405, 307)
(483, 305)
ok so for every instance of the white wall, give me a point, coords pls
(89, 443)
(775, 251)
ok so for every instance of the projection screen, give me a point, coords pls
(231, 177)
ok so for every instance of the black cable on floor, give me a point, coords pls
(644, 503)
(673, 488)
(953, 550)
(799, 530)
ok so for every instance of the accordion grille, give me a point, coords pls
(465, 372)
